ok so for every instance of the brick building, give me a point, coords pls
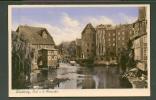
(110, 42)
(88, 42)
(123, 34)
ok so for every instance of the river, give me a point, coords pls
(79, 77)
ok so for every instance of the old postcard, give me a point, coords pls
(79, 50)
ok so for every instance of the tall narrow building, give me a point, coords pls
(100, 40)
(105, 41)
(140, 39)
(88, 42)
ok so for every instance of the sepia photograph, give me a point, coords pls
(79, 50)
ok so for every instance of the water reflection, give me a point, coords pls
(106, 77)
(77, 77)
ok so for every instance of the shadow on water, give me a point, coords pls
(125, 83)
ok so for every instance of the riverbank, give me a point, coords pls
(88, 62)
(107, 63)
(136, 78)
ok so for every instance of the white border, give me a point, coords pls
(77, 92)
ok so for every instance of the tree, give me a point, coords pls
(123, 60)
(129, 44)
(22, 55)
(131, 62)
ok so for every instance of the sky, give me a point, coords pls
(67, 23)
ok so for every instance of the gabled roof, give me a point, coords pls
(34, 34)
(88, 26)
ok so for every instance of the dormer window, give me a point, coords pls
(44, 34)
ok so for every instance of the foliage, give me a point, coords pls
(22, 55)
(129, 44)
(126, 57)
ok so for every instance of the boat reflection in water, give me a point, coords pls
(78, 77)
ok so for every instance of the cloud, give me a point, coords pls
(100, 20)
(69, 22)
(68, 30)
(60, 34)
(127, 19)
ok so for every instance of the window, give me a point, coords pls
(123, 33)
(113, 39)
(44, 34)
(52, 52)
(118, 49)
(113, 44)
(92, 44)
(145, 57)
(123, 38)
(55, 52)
(55, 57)
(109, 44)
(49, 53)
(49, 57)
(145, 39)
(118, 38)
(88, 44)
